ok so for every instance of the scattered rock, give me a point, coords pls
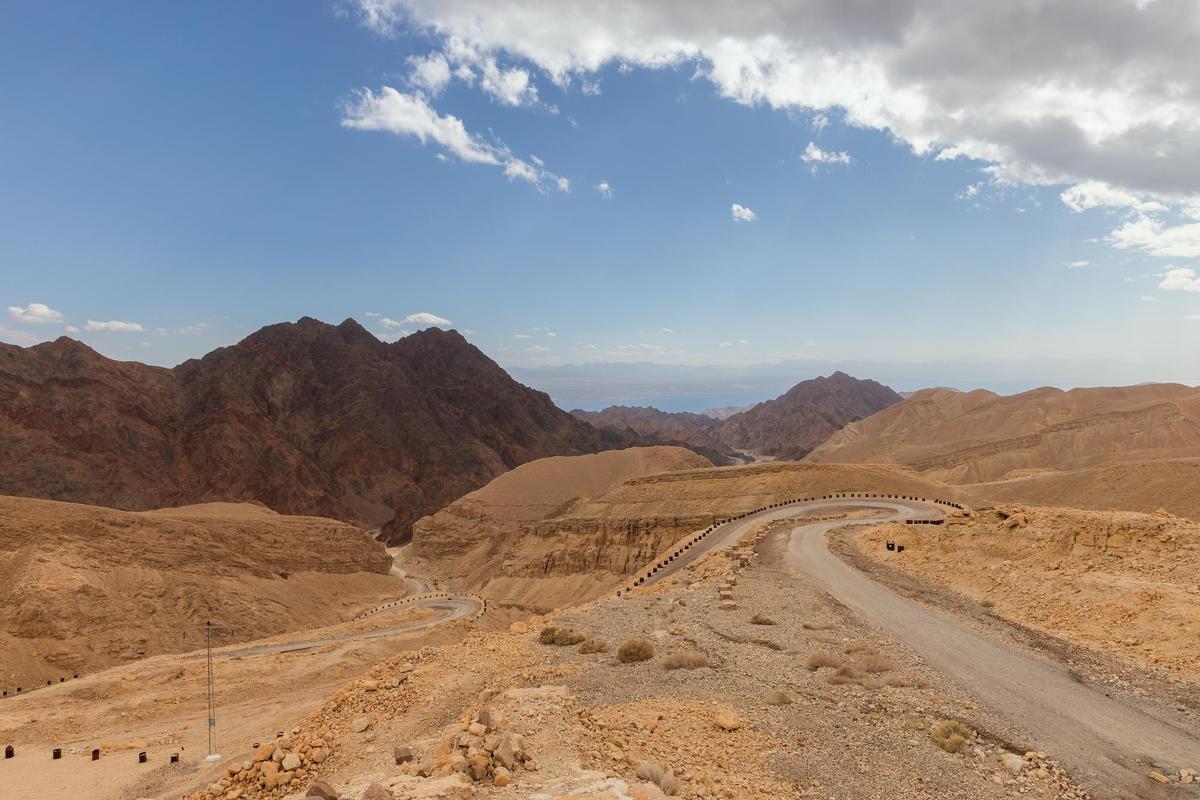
(360, 724)
(322, 790)
(728, 720)
(403, 754)
(377, 792)
(290, 763)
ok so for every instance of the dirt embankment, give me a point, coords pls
(555, 532)
(84, 587)
(1119, 582)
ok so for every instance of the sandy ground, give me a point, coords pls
(158, 705)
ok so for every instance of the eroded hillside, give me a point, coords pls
(84, 587)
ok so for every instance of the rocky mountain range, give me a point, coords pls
(305, 417)
(788, 427)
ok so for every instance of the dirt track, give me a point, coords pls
(1109, 743)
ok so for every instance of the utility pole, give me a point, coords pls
(213, 755)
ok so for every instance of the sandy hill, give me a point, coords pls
(1120, 582)
(1046, 445)
(306, 417)
(794, 423)
(84, 587)
(552, 533)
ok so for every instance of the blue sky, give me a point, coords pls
(200, 170)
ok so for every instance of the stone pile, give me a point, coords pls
(283, 764)
(482, 748)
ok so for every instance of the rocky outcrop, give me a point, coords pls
(793, 424)
(305, 417)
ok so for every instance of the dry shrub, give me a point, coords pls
(593, 646)
(635, 650)
(817, 626)
(897, 681)
(987, 603)
(871, 682)
(654, 773)
(837, 680)
(780, 698)
(685, 661)
(822, 659)
(914, 722)
(876, 664)
(951, 735)
(759, 619)
(560, 637)
(858, 647)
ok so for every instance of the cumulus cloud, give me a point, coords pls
(71, 329)
(425, 318)
(36, 313)
(605, 189)
(1025, 88)
(113, 325)
(410, 114)
(815, 157)
(13, 336)
(739, 213)
(1180, 279)
(1077, 264)
(430, 72)
(1156, 237)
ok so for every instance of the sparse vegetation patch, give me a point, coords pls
(635, 650)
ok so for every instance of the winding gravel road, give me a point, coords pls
(1109, 743)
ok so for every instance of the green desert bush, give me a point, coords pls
(560, 637)
(822, 659)
(634, 650)
(876, 664)
(685, 661)
(951, 735)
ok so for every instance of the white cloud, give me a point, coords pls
(1146, 298)
(1192, 316)
(743, 341)
(605, 189)
(815, 156)
(191, 330)
(1077, 264)
(36, 313)
(469, 332)
(1023, 87)
(520, 335)
(430, 72)
(373, 314)
(390, 323)
(537, 348)
(113, 325)
(411, 115)
(1180, 279)
(739, 213)
(1096, 194)
(71, 329)
(425, 318)
(819, 122)
(1153, 236)
(17, 337)
(725, 344)
(667, 330)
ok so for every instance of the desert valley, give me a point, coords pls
(623, 400)
(418, 589)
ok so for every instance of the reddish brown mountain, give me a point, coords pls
(677, 426)
(797, 422)
(307, 418)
